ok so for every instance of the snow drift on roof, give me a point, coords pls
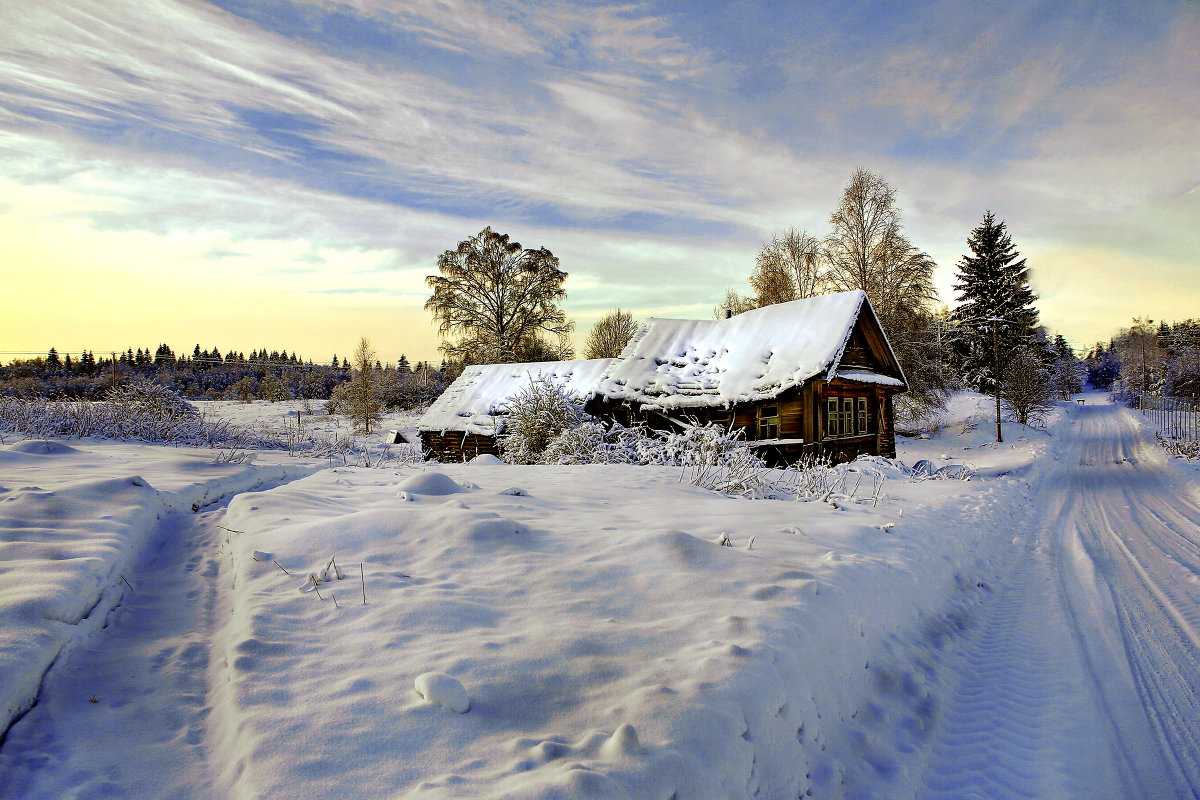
(676, 363)
(867, 376)
(472, 401)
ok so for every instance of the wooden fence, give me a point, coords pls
(1176, 417)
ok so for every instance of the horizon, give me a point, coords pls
(290, 171)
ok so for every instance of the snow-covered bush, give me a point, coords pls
(536, 416)
(706, 446)
(593, 443)
(143, 411)
(740, 474)
(154, 401)
(1180, 447)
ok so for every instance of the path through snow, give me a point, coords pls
(125, 715)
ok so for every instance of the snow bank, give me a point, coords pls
(60, 564)
(607, 644)
(68, 539)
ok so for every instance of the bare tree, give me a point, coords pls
(610, 335)
(867, 250)
(496, 297)
(1143, 358)
(734, 303)
(536, 348)
(1026, 388)
(363, 394)
(789, 267)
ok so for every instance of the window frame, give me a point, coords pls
(767, 425)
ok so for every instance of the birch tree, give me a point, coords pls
(494, 299)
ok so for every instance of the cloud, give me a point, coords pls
(364, 137)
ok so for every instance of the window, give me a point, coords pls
(721, 417)
(848, 416)
(862, 415)
(833, 417)
(768, 422)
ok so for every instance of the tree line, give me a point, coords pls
(211, 375)
(1146, 358)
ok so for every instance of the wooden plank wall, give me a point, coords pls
(456, 446)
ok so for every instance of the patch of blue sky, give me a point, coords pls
(380, 40)
(295, 135)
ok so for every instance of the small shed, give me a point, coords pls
(466, 420)
(809, 377)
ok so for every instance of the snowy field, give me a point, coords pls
(178, 628)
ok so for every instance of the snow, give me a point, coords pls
(866, 376)
(1028, 633)
(440, 689)
(72, 528)
(479, 395)
(674, 363)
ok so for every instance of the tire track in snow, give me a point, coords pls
(1137, 529)
(1008, 726)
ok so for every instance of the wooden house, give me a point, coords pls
(810, 377)
(465, 421)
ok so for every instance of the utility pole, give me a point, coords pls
(1145, 381)
(996, 370)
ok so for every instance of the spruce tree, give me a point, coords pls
(992, 284)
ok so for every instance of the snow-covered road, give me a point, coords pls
(1082, 678)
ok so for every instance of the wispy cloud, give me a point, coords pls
(633, 139)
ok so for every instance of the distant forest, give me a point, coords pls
(211, 375)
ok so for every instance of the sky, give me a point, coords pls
(280, 174)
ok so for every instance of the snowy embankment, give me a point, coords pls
(69, 538)
(528, 631)
(580, 631)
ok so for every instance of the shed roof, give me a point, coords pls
(471, 403)
(754, 356)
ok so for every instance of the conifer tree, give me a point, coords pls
(994, 293)
(402, 366)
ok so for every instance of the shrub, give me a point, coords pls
(154, 401)
(537, 414)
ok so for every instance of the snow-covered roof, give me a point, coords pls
(471, 403)
(754, 356)
(867, 376)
